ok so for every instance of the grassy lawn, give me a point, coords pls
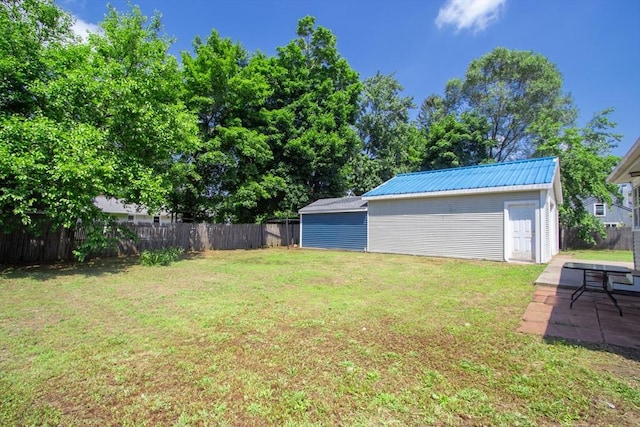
(601, 255)
(291, 337)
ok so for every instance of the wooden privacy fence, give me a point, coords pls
(619, 238)
(47, 245)
(57, 244)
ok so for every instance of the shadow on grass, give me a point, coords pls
(626, 352)
(92, 268)
(48, 270)
(593, 322)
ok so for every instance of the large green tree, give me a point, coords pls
(585, 162)
(389, 141)
(276, 132)
(86, 119)
(310, 118)
(513, 90)
(452, 142)
(229, 173)
(136, 102)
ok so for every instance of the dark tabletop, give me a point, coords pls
(596, 267)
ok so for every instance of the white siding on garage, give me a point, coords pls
(549, 212)
(546, 224)
(554, 238)
(457, 226)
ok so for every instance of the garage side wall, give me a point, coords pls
(545, 210)
(550, 238)
(469, 226)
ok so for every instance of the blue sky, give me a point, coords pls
(594, 43)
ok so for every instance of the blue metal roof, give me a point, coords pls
(529, 172)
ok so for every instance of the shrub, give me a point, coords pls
(163, 256)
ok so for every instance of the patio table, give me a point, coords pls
(595, 275)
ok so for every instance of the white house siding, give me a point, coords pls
(636, 249)
(141, 218)
(457, 226)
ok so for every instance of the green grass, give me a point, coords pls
(601, 255)
(292, 337)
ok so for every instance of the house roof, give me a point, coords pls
(629, 164)
(522, 175)
(341, 204)
(116, 206)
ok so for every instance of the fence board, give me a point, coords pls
(21, 246)
(281, 234)
(618, 238)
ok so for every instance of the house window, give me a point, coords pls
(636, 207)
(611, 224)
(131, 218)
(599, 209)
(156, 220)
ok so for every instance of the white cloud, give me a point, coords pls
(82, 28)
(475, 15)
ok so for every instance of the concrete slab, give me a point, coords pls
(593, 318)
(555, 275)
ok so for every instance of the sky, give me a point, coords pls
(595, 44)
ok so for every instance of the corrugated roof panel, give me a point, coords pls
(336, 205)
(507, 174)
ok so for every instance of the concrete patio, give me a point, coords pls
(593, 318)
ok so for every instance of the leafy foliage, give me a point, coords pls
(389, 141)
(139, 105)
(103, 232)
(105, 114)
(163, 256)
(275, 132)
(585, 163)
(310, 118)
(454, 143)
(513, 90)
(30, 28)
(230, 169)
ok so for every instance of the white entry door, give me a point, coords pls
(522, 231)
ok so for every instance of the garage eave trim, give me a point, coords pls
(308, 212)
(465, 192)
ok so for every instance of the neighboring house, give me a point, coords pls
(130, 213)
(501, 211)
(614, 215)
(334, 224)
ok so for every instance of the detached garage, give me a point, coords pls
(334, 224)
(502, 211)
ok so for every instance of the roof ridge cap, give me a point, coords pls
(483, 165)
